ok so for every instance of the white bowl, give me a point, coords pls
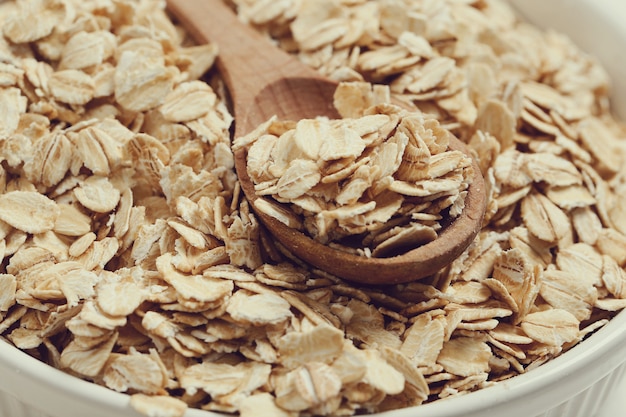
(576, 384)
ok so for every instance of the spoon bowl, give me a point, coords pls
(264, 81)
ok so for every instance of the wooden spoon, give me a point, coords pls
(264, 81)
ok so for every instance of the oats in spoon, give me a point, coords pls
(378, 181)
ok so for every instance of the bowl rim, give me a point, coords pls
(597, 356)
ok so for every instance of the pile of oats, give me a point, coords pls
(130, 258)
(378, 181)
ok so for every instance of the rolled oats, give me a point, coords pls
(71, 86)
(158, 405)
(28, 211)
(553, 327)
(96, 193)
(12, 105)
(8, 285)
(121, 373)
(358, 197)
(132, 259)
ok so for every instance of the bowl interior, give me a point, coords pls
(50, 390)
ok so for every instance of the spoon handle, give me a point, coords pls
(247, 61)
